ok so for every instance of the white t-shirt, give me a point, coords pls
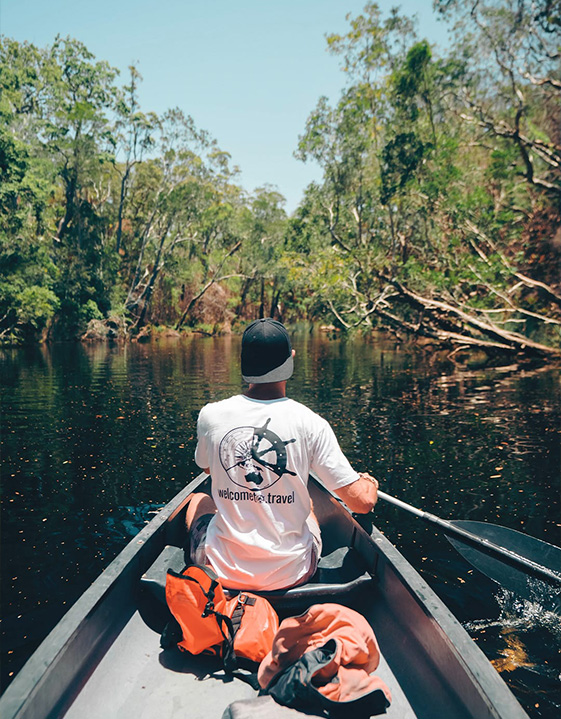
(260, 453)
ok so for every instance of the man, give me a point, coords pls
(258, 530)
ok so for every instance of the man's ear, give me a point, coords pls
(293, 353)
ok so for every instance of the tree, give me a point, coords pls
(262, 252)
(106, 208)
(72, 135)
(134, 136)
(427, 210)
(27, 274)
(514, 80)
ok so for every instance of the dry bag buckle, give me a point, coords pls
(209, 609)
(244, 599)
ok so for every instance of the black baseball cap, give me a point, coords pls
(266, 352)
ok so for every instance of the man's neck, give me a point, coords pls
(267, 390)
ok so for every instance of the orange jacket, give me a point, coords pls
(347, 675)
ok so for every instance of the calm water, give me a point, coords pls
(94, 439)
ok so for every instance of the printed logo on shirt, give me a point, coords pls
(254, 457)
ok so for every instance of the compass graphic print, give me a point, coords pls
(254, 457)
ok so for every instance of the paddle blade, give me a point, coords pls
(519, 579)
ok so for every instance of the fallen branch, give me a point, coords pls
(503, 310)
(501, 338)
(512, 308)
(375, 304)
(442, 335)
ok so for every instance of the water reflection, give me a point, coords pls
(95, 438)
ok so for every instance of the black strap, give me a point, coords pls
(211, 574)
(249, 678)
(229, 659)
(228, 652)
(244, 600)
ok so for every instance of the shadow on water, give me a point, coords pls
(96, 438)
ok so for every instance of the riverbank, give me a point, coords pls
(116, 329)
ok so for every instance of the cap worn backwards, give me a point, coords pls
(266, 352)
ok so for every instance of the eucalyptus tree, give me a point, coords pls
(133, 137)
(347, 141)
(180, 218)
(77, 104)
(81, 95)
(216, 248)
(514, 82)
(27, 272)
(167, 193)
(265, 281)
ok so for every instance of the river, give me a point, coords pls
(96, 438)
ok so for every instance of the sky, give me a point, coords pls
(249, 72)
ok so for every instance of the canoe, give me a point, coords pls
(104, 659)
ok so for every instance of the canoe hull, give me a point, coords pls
(104, 659)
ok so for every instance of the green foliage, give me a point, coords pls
(401, 157)
(90, 311)
(440, 178)
(106, 209)
(410, 80)
(34, 306)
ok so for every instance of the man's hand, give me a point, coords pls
(360, 496)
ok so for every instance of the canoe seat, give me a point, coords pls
(340, 575)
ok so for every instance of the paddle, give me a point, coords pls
(508, 557)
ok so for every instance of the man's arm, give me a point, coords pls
(361, 495)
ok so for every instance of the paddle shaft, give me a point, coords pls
(508, 556)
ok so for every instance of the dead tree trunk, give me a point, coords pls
(262, 303)
(208, 285)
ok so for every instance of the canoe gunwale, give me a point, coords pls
(390, 567)
(32, 683)
(456, 650)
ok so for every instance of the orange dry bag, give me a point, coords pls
(207, 622)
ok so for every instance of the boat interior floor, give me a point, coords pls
(136, 678)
